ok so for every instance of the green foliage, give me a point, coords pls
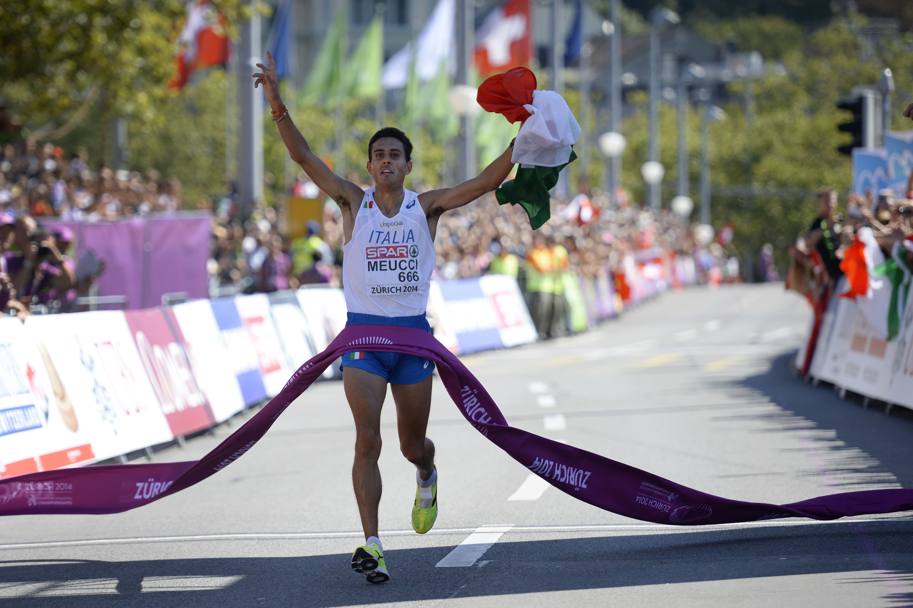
(61, 56)
(185, 137)
(764, 175)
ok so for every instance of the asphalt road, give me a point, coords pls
(695, 386)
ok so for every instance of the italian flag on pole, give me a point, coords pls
(544, 145)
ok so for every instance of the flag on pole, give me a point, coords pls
(573, 46)
(280, 39)
(324, 83)
(436, 42)
(363, 77)
(202, 43)
(544, 144)
(504, 40)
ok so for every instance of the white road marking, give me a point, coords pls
(688, 334)
(470, 550)
(776, 334)
(538, 387)
(712, 325)
(531, 489)
(546, 401)
(634, 526)
(555, 422)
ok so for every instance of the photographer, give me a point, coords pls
(53, 276)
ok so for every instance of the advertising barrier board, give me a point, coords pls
(255, 314)
(182, 400)
(194, 323)
(240, 352)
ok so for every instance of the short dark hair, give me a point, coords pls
(395, 134)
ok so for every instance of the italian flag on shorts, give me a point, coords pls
(544, 145)
(356, 356)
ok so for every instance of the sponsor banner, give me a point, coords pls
(23, 417)
(324, 310)
(182, 400)
(237, 345)
(899, 150)
(870, 171)
(255, 314)
(866, 367)
(60, 441)
(145, 258)
(468, 314)
(94, 365)
(853, 354)
(195, 325)
(900, 390)
(178, 247)
(515, 326)
(292, 327)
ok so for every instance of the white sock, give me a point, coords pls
(426, 483)
(373, 540)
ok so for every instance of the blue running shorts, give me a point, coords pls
(395, 368)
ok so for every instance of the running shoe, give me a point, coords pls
(369, 560)
(424, 510)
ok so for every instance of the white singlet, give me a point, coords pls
(387, 264)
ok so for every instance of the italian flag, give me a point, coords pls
(879, 286)
(544, 144)
(358, 356)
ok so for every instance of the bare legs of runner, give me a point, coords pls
(365, 393)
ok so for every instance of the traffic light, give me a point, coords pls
(856, 106)
(861, 127)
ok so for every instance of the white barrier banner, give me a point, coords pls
(55, 438)
(901, 388)
(866, 368)
(254, 311)
(324, 309)
(293, 330)
(209, 358)
(96, 360)
(834, 340)
(514, 323)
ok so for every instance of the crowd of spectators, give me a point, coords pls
(251, 253)
(586, 235)
(817, 256)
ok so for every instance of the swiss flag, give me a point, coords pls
(203, 42)
(504, 40)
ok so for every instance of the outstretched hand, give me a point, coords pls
(267, 79)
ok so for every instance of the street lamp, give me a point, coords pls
(682, 206)
(711, 113)
(687, 75)
(652, 172)
(886, 86)
(612, 145)
(659, 17)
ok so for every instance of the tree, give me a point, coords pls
(61, 59)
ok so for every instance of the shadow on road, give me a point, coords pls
(867, 447)
(512, 568)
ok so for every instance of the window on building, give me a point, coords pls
(396, 12)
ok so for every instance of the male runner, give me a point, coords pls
(388, 260)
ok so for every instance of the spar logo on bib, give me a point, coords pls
(390, 252)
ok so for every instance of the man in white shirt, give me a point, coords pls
(389, 256)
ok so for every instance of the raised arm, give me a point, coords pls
(436, 202)
(342, 191)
